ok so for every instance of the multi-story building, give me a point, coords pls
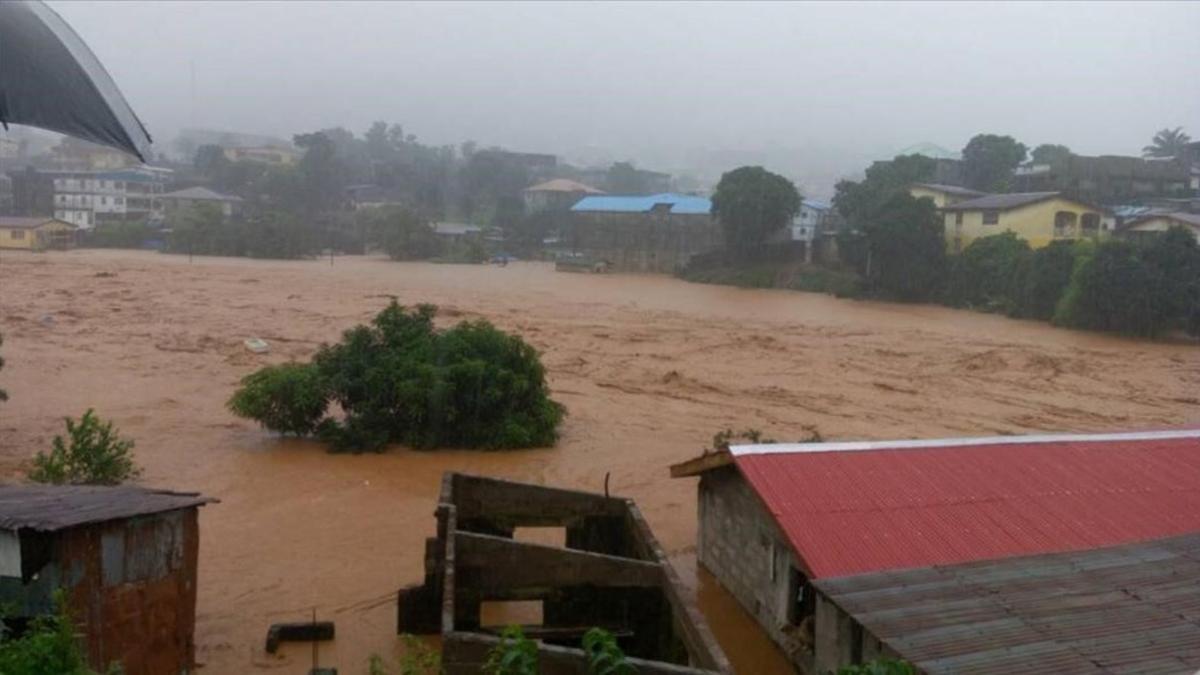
(263, 155)
(91, 198)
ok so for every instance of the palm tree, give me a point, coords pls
(1167, 143)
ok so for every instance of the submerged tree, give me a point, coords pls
(93, 453)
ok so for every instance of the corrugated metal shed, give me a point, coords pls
(681, 204)
(1132, 608)
(853, 508)
(48, 508)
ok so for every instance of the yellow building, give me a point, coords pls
(1037, 217)
(944, 195)
(35, 234)
(1153, 224)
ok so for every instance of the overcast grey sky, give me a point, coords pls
(837, 81)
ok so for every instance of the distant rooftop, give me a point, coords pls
(563, 185)
(199, 193)
(1002, 202)
(21, 223)
(817, 204)
(48, 508)
(930, 150)
(680, 204)
(951, 189)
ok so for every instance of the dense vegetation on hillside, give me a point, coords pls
(401, 380)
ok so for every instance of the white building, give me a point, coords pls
(90, 198)
(807, 224)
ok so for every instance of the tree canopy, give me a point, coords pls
(1167, 143)
(1048, 153)
(860, 202)
(989, 161)
(752, 203)
(623, 178)
(905, 249)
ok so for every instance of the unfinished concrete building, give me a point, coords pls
(125, 558)
(610, 573)
(962, 555)
(655, 233)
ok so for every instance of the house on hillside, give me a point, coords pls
(181, 200)
(276, 156)
(944, 195)
(1037, 217)
(1152, 224)
(809, 229)
(559, 194)
(998, 554)
(1106, 179)
(126, 559)
(36, 233)
(654, 233)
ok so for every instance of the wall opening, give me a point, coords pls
(508, 612)
(546, 536)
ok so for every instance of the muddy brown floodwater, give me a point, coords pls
(648, 367)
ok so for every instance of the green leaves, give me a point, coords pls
(514, 655)
(752, 203)
(94, 455)
(400, 380)
(604, 657)
(880, 667)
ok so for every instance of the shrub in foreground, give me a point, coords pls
(984, 276)
(48, 645)
(1112, 289)
(94, 454)
(400, 380)
(1042, 280)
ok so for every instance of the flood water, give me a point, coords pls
(648, 368)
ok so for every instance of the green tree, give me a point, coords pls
(1167, 143)
(1112, 289)
(879, 667)
(986, 274)
(623, 178)
(604, 656)
(321, 170)
(752, 203)
(1043, 278)
(905, 252)
(1175, 256)
(860, 202)
(989, 161)
(95, 454)
(401, 233)
(210, 161)
(290, 398)
(1048, 153)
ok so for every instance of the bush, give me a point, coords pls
(1175, 256)
(985, 275)
(1112, 289)
(290, 398)
(121, 235)
(418, 659)
(879, 667)
(96, 455)
(48, 646)
(1042, 280)
(514, 655)
(400, 380)
(604, 656)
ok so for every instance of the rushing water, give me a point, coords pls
(648, 367)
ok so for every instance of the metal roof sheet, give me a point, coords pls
(563, 185)
(682, 204)
(852, 508)
(1130, 608)
(200, 193)
(49, 508)
(1008, 200)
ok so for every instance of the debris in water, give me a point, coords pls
(257, 346)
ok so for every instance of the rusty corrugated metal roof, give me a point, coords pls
(48, 508)
(853, 508)
(1131, 608)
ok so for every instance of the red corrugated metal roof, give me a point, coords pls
(851, 509)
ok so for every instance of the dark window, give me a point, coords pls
(958, 218)
(18, 234)
(991, 217)
(803, 599)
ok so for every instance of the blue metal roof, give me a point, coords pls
(684, 204)
(816, 204)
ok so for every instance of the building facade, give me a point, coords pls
(126, 558)
(35, 234)
(90, 198)
(1037, 217)
(655, 233)
(1106, 179)
(1147, 226)
(559, 194)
